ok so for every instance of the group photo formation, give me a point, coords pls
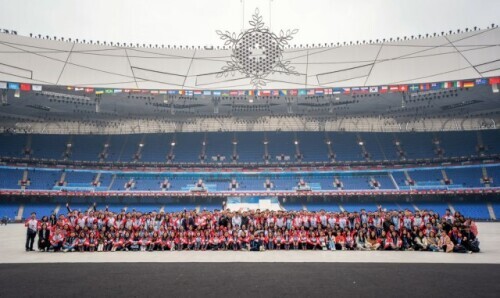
(102, 230)
(258, 148)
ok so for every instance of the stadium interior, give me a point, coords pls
(130, 168)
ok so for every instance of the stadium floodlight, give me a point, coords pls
(172, 144)
(141, 145)
(296, 142)
(360, 143)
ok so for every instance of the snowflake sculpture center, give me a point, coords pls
(257, 52)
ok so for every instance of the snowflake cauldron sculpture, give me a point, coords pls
(257, 52)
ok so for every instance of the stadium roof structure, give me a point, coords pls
(57, 64)
(458, 56)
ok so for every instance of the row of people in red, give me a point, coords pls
(254, 230)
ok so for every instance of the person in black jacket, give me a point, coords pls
(387, 223)
(245, 220)
(469, 240)
(255, 243)
(53, 219)
(44, 238)
(223, 220)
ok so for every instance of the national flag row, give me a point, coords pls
(283, 92)
(20, 86)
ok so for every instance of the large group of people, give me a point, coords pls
(255, 230)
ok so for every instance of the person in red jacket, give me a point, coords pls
(154, 242)
(57, 240)
(91, 242)
(313, 241)
(303, 240)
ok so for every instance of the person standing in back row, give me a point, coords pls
(32, 225)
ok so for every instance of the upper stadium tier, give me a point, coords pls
(440, 82)
(249, 57)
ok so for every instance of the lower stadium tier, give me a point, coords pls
(56, 181)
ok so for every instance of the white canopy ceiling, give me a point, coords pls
(467, 55)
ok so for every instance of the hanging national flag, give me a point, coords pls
(99, 91)
(294, 92)
(328, 91)
(302, 92)
(250, 92)
(225, 93)
(181, 92)
(207, 92)
(152, 91)
(403, 88)
(481, 82)
(189, 92)
(120, 91)
(457, 84)
(468, 84)
(217, 93)
(109, 91)
(136, 91)
(310, 92)
(414, 88)
(435, 86)
(163, 92)
(233, 93)
(265, 92)
(241, 93)
(275, 93)
(364, 90)
(171, 92)
(394, 89)
(373, 89)
(346, 90)
(69, 88)
(88, 90)
(3, 85)
(13, 86)
(79, 88)
(36, 87)
(25, 87)
(145, 91)
(197, 93)
(384, 89)
(355, 90)
(494, 80)
(283, 92)
(446, 85)
(319, 91)
(424, 87)
(337, 90)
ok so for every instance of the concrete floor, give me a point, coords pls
(13, 239)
